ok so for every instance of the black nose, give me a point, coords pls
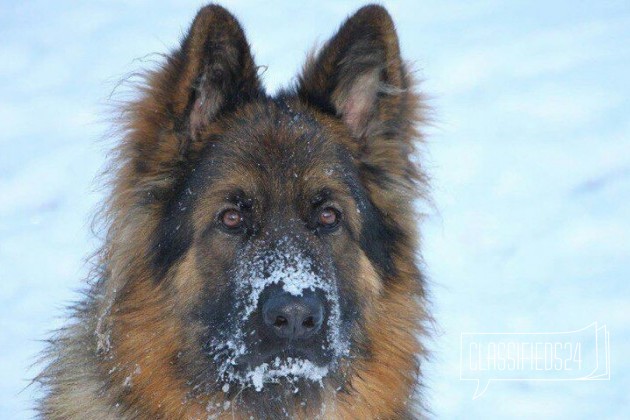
(293, 317)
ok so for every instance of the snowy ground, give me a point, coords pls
(530, 157)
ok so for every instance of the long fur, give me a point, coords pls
(359, 88)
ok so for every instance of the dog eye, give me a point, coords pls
(328, 217)
(231, 218)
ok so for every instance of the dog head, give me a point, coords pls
(262, 248)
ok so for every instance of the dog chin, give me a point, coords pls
(291, 371)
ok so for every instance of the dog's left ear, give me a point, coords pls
(359, 76)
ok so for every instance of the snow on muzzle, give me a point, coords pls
(299, 309)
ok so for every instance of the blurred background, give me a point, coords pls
(529, 154)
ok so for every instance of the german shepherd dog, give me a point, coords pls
(261, 254)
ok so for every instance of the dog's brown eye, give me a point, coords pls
(232, 218)
(328, 217)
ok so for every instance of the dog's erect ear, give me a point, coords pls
(358, 75)
(210, 74)
(214, 69)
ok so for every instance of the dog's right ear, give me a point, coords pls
(211, 73)
(214, 70)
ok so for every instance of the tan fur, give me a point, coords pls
(117, 359)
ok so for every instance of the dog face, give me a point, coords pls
(283, 247)
(262, 249)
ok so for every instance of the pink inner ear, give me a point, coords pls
(196, 116)
(357, 105)
(203, 110)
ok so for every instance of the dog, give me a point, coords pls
(261, 256)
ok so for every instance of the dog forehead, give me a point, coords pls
(280, 132)
(274, 145)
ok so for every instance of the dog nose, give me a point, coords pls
(293, 317)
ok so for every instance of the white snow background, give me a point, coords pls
(530, 157)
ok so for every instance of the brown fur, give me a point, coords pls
(122, 355)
